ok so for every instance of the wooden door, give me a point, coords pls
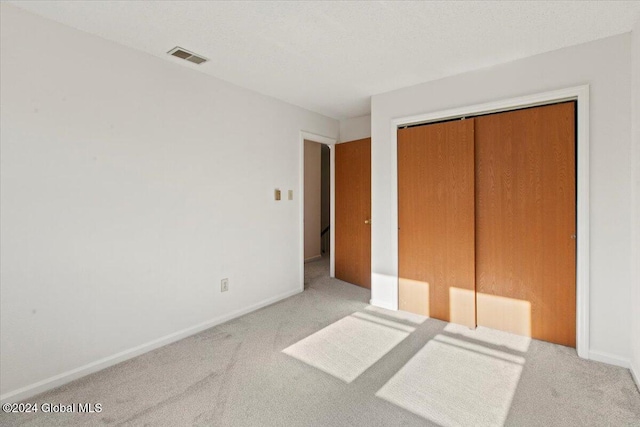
(526, 222)
(353, 212)
(436, 250)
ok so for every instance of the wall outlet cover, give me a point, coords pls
(224, 285)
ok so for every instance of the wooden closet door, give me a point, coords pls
(526, 222)
(353, 212)
(436, 221)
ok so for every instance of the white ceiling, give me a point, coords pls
(330, 57)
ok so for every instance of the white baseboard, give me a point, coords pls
(609, 359)
(382, 304)
(98, 365)
(313, 258)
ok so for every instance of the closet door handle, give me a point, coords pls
(367, 221)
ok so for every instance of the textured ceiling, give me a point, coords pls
(330, 57)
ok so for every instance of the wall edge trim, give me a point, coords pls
(610, 359)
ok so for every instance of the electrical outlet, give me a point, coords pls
(224, 285)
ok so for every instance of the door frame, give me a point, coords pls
(580, 94)
(331, 142)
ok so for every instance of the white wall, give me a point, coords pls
(312, 199)
(606, 66)
(130, 187)
(355, 128)
(635, 300)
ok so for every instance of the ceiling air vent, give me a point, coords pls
(185, 54)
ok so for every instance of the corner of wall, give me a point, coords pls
(635, 374)
(635, 253)
(355, 128)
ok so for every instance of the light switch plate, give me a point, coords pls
(290, 194)
(277, 194)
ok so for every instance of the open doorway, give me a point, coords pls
(317, 210)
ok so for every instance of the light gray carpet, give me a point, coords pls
(348, 347)
(237, 374)
(456, 383)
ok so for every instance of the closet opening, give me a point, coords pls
(487, 216)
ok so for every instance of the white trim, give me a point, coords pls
(330, 142)
(581, 95)
(332, 212)
(609, 359)
(68, 376)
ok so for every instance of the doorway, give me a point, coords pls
(317, 209)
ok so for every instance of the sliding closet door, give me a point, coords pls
(526, 222)
(436, 221)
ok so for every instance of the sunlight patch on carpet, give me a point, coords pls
(348, 347)
(492, 336)
(454, 382)
(404, 316)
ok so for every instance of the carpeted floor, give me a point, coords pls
(279, 366)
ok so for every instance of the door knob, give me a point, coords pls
(367, 221)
